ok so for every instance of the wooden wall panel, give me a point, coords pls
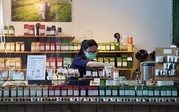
(3, 108)
(140, 108)
(87, 108)
(34, 108)
(105, 108)
(16, 108)
(123, 108)
(70, 108)
(52, 108)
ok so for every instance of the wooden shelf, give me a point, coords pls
(39, 52)
(115, 51)
(126, 69)
(23, 36)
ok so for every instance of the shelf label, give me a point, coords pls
(167, 51)
(36, 67)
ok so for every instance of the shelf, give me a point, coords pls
(92, 100)
(126, 69)
(39, 52)
(115, 51)
(22, 36)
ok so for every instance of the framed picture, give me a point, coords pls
(41, 10)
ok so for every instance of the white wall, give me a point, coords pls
(149, 21)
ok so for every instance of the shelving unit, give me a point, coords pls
(56, 53)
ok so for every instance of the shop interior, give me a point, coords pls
(137, 49)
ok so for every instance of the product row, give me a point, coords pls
(88, 91)
(54, 46)
(123, 61)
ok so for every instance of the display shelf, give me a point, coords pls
(39, 52)
(164, 54)
(126, 69)
(92, 100)
(31, 46)
(25, 36)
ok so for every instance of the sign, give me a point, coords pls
(36, 67)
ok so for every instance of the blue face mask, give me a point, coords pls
(90, 56)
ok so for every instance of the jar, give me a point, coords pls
(42, 30)
(26, 29)
(5, 30)
(59, 31)
(48, 31)
(31, 30)
(53, 31)
(11, 30)
(108, 47)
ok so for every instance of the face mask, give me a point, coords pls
(90, 56)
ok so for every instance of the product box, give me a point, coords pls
(132, 91)
(51, 91)
(6, 92)
(53, 62)
(37, 46)
(42, 46)
(45, 91)
(8, 46)
(47, 46)
(139, 91)
(115, 91)
(39, 91)
(76, 92)
(112, 60)
(119, 62)
(102, 91)
(20, 91)
(64, 91)
(52, 46)
(70, 91)
(17, 46)
(121, 91)
(47, 62)
(100, 59)
(33, 46)
(71, 48)
(12, 46)
(33, 91)
(26, 91)
(108, 91)
(58, 47)
(67, 61)
(59, 62)
(57, 91)
(18, 63)
(106, 60)
(13, 90)
(83, 91)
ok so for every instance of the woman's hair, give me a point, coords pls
(86, 44)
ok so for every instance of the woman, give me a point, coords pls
(84, 57)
